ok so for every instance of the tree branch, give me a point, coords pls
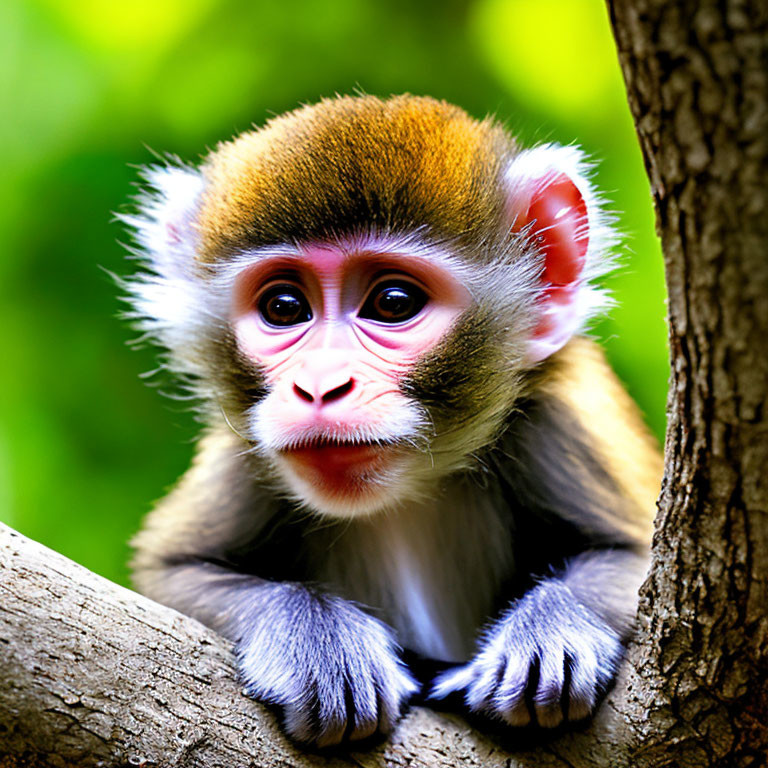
(93, 674)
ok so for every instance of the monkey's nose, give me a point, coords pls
(322, 383)
(326, 397)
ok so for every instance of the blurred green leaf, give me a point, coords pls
(137, 27)
(556, 55)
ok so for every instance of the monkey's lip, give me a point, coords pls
(330, 455)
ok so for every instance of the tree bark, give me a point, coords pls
(92, 674)
(697, 80)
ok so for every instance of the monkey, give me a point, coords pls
(418, 478)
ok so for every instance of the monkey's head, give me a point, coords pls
(363, 287)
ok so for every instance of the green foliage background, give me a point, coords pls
(89, 86)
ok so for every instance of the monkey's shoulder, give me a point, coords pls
(579, 442)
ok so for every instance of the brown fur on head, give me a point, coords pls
(355, 164)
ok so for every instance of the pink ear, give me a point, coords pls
(553, 209)
(558, 214)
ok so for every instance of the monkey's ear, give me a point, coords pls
(166, 298)
(553, 205)
(164, 225)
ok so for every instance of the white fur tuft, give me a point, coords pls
(167, 297)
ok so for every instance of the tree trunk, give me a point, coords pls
(92, 674)
(697, 80)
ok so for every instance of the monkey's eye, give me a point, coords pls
(393, 301)
(284, 305)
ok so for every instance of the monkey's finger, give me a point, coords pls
(317, 715)
(582, 676)
(452, 681)
(346, 707)
(510, 699)
(389, 708)
(361, 705)
(394, 688)
(301, 722)
(482, 690)
(330, 732)
(547, 700)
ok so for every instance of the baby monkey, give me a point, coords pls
(410, 452)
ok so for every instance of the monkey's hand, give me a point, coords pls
(332, 668)
(546, 661)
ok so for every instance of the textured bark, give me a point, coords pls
(697, 79)
(92, 674)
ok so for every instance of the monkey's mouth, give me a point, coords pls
(330, 449)
(337, 460)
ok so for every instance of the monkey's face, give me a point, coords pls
(334, 329)
(367, 368)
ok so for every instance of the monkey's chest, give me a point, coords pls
(434, 575)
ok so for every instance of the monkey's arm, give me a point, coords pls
(332, 668)
(588, 508)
